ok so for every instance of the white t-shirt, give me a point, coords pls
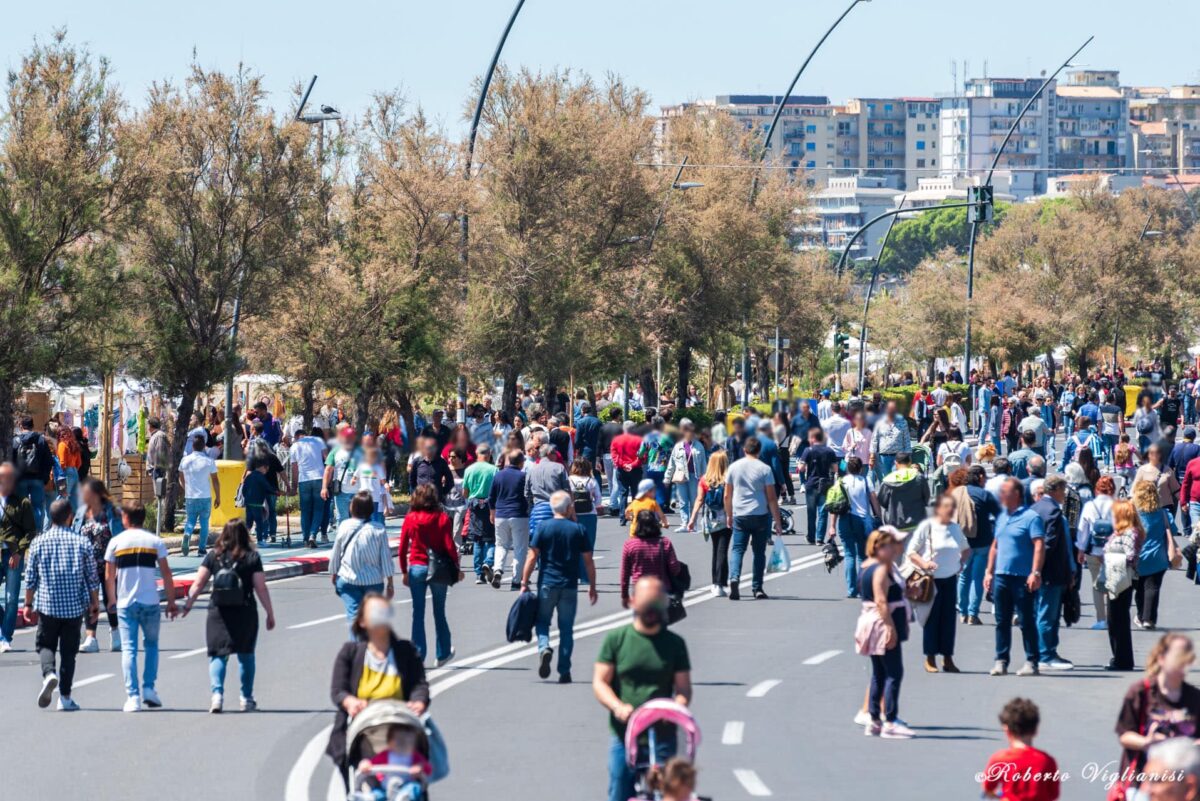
(948, 543)
(197, 469)
(135, 553)
(859, 494)
(835, 427)
(308, 453)
(370, 478)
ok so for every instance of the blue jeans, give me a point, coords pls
(72, 476)
(35, 491)
(341, 503)
(662, 493)
(589, 530)
(485, 554)
(1048, 605)
(146, 617)
(853, 531)
(620, 775)
(196, 510)
(272, 517)
(753, 531)
(256, 522)
(818, 521)
(311, 508)
(1011, 595)
(685, 493)
(970, 582)
(418, 576)
(564, 600)
(216, 673)
(1068, 425)
(886, 463)
(352, 596)
(12, 595)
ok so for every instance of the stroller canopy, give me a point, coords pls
(660, 710)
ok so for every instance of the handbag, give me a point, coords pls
(335, 569)
(680, 583)
(918, 585)
(442, 569)
(335, 484)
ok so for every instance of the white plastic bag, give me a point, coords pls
(780, 561)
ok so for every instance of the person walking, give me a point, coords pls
(543, 478)
(557, 549)
(939, 548)
(750, 508)
(648, 553)
(340, 464)
(361, 560)
(1120, 563)
(709, 510)
(308, 471)
(1058, 572)
(132, 583)
(976, 511)
(427, 535)
(857, 522)
(375, 665)
(201, 485)
(99, 520)
(1095, 527)
(18, 527)
(70, 459)
(819, 464)
(34, 463)
(61, 586)
(904, 495)
(509, 505)
(627, 467)
(585, 499)
(232, 623)
(1156, 554)
(477, 485)
(686, 465)
(638, 663)
(1014, 574)
(889, 438)
(882, 627)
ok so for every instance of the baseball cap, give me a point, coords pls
(645, 487)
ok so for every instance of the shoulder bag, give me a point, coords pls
(918, 585)
(442, 569)
(335, 569)
(676, 587)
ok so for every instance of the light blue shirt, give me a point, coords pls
(1015, 533)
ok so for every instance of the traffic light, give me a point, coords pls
(841, 347)
(984, 211)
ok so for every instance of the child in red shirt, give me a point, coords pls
(1021, 772)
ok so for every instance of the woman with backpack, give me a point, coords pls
(854, 511)
(1120, 571)
(686, 464)
(237, 574)
(709, 510)
(585, 493)
(1095, 527)
(1158, 553)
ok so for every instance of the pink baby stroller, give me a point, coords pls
(645, 720)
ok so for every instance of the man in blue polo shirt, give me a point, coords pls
(1014, 573)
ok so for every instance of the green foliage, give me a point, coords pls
(925, 235)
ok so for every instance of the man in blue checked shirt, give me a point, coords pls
(61, 585)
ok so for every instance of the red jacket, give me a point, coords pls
(624, 451)
(422, 532)
(1190, 493)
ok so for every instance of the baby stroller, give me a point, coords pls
(644, 721)
(785, 517)
(922, 456)
(368, 736)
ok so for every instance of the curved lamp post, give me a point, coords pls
(783, 101)
(862, 333)
(988, 182)
(464, 222)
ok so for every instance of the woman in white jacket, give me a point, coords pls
(685, 467)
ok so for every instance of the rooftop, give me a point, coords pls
(1095, 92)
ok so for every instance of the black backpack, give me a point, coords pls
(227, 587)
(581, 497)
(29, 455)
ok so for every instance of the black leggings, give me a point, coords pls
(887, 671)
(720, 555)
(787, 481)
(1120, 639)
(1145, 596)
(93, 620)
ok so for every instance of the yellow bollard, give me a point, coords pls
(229, 474)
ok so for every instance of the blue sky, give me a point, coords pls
(675, 49)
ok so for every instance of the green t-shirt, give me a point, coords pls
(645, 666)
(477, 480)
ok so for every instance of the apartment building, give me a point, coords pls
(1165, 128)
(922, 115)
(1092, 121)
(840, 209)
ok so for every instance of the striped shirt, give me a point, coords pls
(368, 559)
(61, 572)
(135, 553)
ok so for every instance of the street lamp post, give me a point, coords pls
(862, 333)
(988, 182)
(1146, 234)
(464, 222)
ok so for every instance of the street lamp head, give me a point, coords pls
(313, 119)
(688, 185)
(1152, 234)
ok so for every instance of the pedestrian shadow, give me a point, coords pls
(718, 684)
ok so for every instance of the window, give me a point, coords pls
(920, 127)
(887, 162)
(920, 163)
(870, 163)
(846, 163)
(829, 145)
(887, 108)
(810, 146)
(920, 144)
(812, 129)
(810, 165)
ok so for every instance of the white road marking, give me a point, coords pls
(824, 656)
(732, 735)
(751, 783)
(318, 621)
(305, 767)
(186, 654)
(763, 687)
(91, 680)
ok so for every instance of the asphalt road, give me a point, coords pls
(777, 683)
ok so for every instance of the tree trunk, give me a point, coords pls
(684, 362)
(551, 399)
(183, 419)
(508, 403)
(762, 366)
(308, 398)
(1050, 366)
(362, 407)
(649, 388)
(932, 367)
(1083, 364)
(7, 424)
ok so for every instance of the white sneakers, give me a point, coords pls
(49, 683)
(1058, 663)
(5, 646)
(114, 643)
(133, 704)
(89, 646)
(150, 698)
(217, 703)
(896, 731)
(449, 656)
(718, 591)
(65, 704)
(248, 704)
(862, 717)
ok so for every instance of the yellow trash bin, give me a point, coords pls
(229, 474)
